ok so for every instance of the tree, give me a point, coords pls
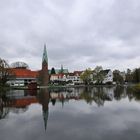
(98, 69)
(53, 71)
(5, 72)
(86, 76)
(136, 75)
(98, 74)
(117, 77)
(129, 76)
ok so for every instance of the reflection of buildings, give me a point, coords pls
(18, 101)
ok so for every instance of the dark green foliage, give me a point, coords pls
(86, 76)
(117, 77)
(129, 76)
(136, 75)
(53, 71)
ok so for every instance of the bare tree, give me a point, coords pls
(5, 72)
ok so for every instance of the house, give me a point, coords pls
(73, 78)
(107, 76)
(22, 76)
(103, 77)
(58, 77)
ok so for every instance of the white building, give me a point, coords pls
(108, 76)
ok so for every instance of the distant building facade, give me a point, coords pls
(22, 76)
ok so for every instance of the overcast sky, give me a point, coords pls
(78, 33)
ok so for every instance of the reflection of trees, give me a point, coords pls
(119, 92)
(96, 94)
(132, 94)
(86, 95)
(123, 92)
(3, 110)
(101, 94)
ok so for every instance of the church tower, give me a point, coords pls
(44, 71)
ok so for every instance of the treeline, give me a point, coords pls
(133, 76)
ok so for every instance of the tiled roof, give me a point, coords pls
(24, 73)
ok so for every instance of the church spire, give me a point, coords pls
(45, 57)
(61, 68)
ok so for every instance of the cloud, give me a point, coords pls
(78, 33)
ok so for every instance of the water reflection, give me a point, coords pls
(44, 97)
(18, 101)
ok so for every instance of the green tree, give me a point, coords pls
(53, 71)
(98, 69)
(86, 76)
(129, 76)
(98, 74)
(117, 77)
(136, 75)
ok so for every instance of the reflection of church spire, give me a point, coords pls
(45, 117)
(44, 97)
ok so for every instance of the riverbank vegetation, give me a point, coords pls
(5, 73)
(136, 88)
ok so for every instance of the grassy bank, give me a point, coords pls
(137, 87)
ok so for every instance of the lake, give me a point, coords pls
(99, 113)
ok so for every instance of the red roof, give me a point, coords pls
(24, 73)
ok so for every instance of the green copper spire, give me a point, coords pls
(45, 57)
(61, 69)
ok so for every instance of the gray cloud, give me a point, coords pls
(78, 33)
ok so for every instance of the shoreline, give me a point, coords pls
(68, 86)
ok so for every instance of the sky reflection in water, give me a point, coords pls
(82, 113)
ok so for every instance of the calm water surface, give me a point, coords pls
(74, 114)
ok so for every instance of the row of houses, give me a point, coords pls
(23, 76)
(75, 77)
